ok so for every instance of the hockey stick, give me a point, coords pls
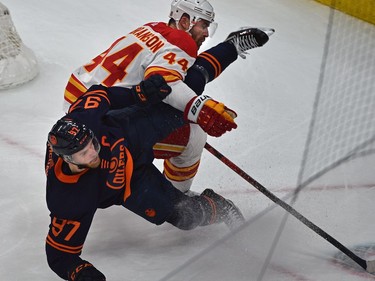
(369, 266)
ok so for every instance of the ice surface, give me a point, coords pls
(272, 91)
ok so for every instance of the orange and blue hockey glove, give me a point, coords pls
(152, 90)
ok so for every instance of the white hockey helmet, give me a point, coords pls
(197, 10)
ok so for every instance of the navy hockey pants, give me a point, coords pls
(152, 196)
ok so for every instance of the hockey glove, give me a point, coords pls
(85, 271)
(213, 117)
(152, 90)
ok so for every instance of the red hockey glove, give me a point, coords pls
(213, 117)
(152, 90)
(85, 271)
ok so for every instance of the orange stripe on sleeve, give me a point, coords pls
(100, 93)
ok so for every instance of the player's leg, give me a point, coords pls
(247, 38)
(209, 65)
(156, 200)
(184, 158)
(180, 170)
(183, 148)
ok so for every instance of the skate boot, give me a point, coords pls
(225, 210)
(247, 38)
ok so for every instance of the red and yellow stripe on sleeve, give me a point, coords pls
(169, 75)
(74, 89)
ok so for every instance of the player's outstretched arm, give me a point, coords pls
(150, 91)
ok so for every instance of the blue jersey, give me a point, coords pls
(125, 176)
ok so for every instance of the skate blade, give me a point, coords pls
(267, 30)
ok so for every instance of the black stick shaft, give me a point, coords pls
(361, 262)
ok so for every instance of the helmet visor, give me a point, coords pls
(212, 29)
(86, 154)
(210, 26)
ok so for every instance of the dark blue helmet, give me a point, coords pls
(68, 137)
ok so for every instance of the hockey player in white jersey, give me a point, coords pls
(171, 50)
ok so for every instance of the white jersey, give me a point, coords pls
(154, 48)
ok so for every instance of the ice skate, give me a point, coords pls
(247, 38)
(227, 211)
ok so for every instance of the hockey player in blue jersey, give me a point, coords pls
(98, 158)
(66, 235)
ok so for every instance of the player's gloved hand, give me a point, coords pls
(213, 117)
(85, 271)
(152, 90)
